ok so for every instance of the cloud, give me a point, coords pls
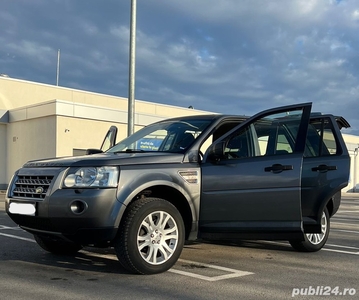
(225, 56)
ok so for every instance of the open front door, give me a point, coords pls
(110, 139)
(108, 142)
(251, 177)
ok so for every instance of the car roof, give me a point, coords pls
(341, 121)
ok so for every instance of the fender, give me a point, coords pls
(131, 184)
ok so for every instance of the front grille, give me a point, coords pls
(34, 187)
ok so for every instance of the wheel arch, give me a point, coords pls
(168, 191)
(332, 203)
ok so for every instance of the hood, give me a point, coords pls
(108, 159)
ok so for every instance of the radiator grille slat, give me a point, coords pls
(34, 187)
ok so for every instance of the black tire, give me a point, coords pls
(314, 241)
(149, 249)
(57, 247)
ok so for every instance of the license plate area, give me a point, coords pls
(28, 209)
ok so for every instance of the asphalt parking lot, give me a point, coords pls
(243, 270)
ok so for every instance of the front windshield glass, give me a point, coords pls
(166, 136)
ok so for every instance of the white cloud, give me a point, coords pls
(219, 55)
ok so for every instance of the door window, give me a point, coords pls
(320, 139)
(267, 136)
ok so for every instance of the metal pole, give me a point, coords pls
(131, 86)
(356, 150)
(58, 68)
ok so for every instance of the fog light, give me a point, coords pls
(78, 207)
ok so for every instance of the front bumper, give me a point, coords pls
(55, 217)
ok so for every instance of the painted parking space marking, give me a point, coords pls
(232, 272)
(11, 228)
(15, 228)
(347, 249)
(17, 237)
(340, 251)
(348, 231)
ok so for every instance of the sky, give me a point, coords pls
(224, 56)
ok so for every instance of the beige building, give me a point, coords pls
(43, 121)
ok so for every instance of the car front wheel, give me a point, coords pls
(314, 241)
(151, 236)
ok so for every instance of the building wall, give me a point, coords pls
(3, 156)
(16, 93)
(42, 121)
(28, 140)
(82, 134)
(352, 143)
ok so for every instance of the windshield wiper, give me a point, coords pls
(131, 151)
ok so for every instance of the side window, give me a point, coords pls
(264, 135)
(240, 145)
(320, 139)
(221, 130)
(274, 138)
(267, 136)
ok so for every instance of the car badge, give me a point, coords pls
(39, 190)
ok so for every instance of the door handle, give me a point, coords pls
(277, 168)
(324, 168)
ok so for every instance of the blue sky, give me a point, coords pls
(227, 56)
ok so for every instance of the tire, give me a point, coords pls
(151, 236)
(57, 247)
(314, 241)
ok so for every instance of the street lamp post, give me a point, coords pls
(131, 86)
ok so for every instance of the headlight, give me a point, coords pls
(92, 177)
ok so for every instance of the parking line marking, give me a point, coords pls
(343, 230)
(207, 278)
(340, 251)
(7, 227)
(233, 272)
(339, 246)
(17, 237)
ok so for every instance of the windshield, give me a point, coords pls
(166, 136)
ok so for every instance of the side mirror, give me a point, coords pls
(93, 151)
(215, 152)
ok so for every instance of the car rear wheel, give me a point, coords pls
(151, 237)
(314, 241)
(57, 247)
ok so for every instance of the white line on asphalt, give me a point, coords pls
(233, 272)
(339, 246)
(343, 230)
(346, 224)
(17, 237)
(7, 227)
(340, 251)
(352, 222)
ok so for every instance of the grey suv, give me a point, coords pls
(277, 175)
